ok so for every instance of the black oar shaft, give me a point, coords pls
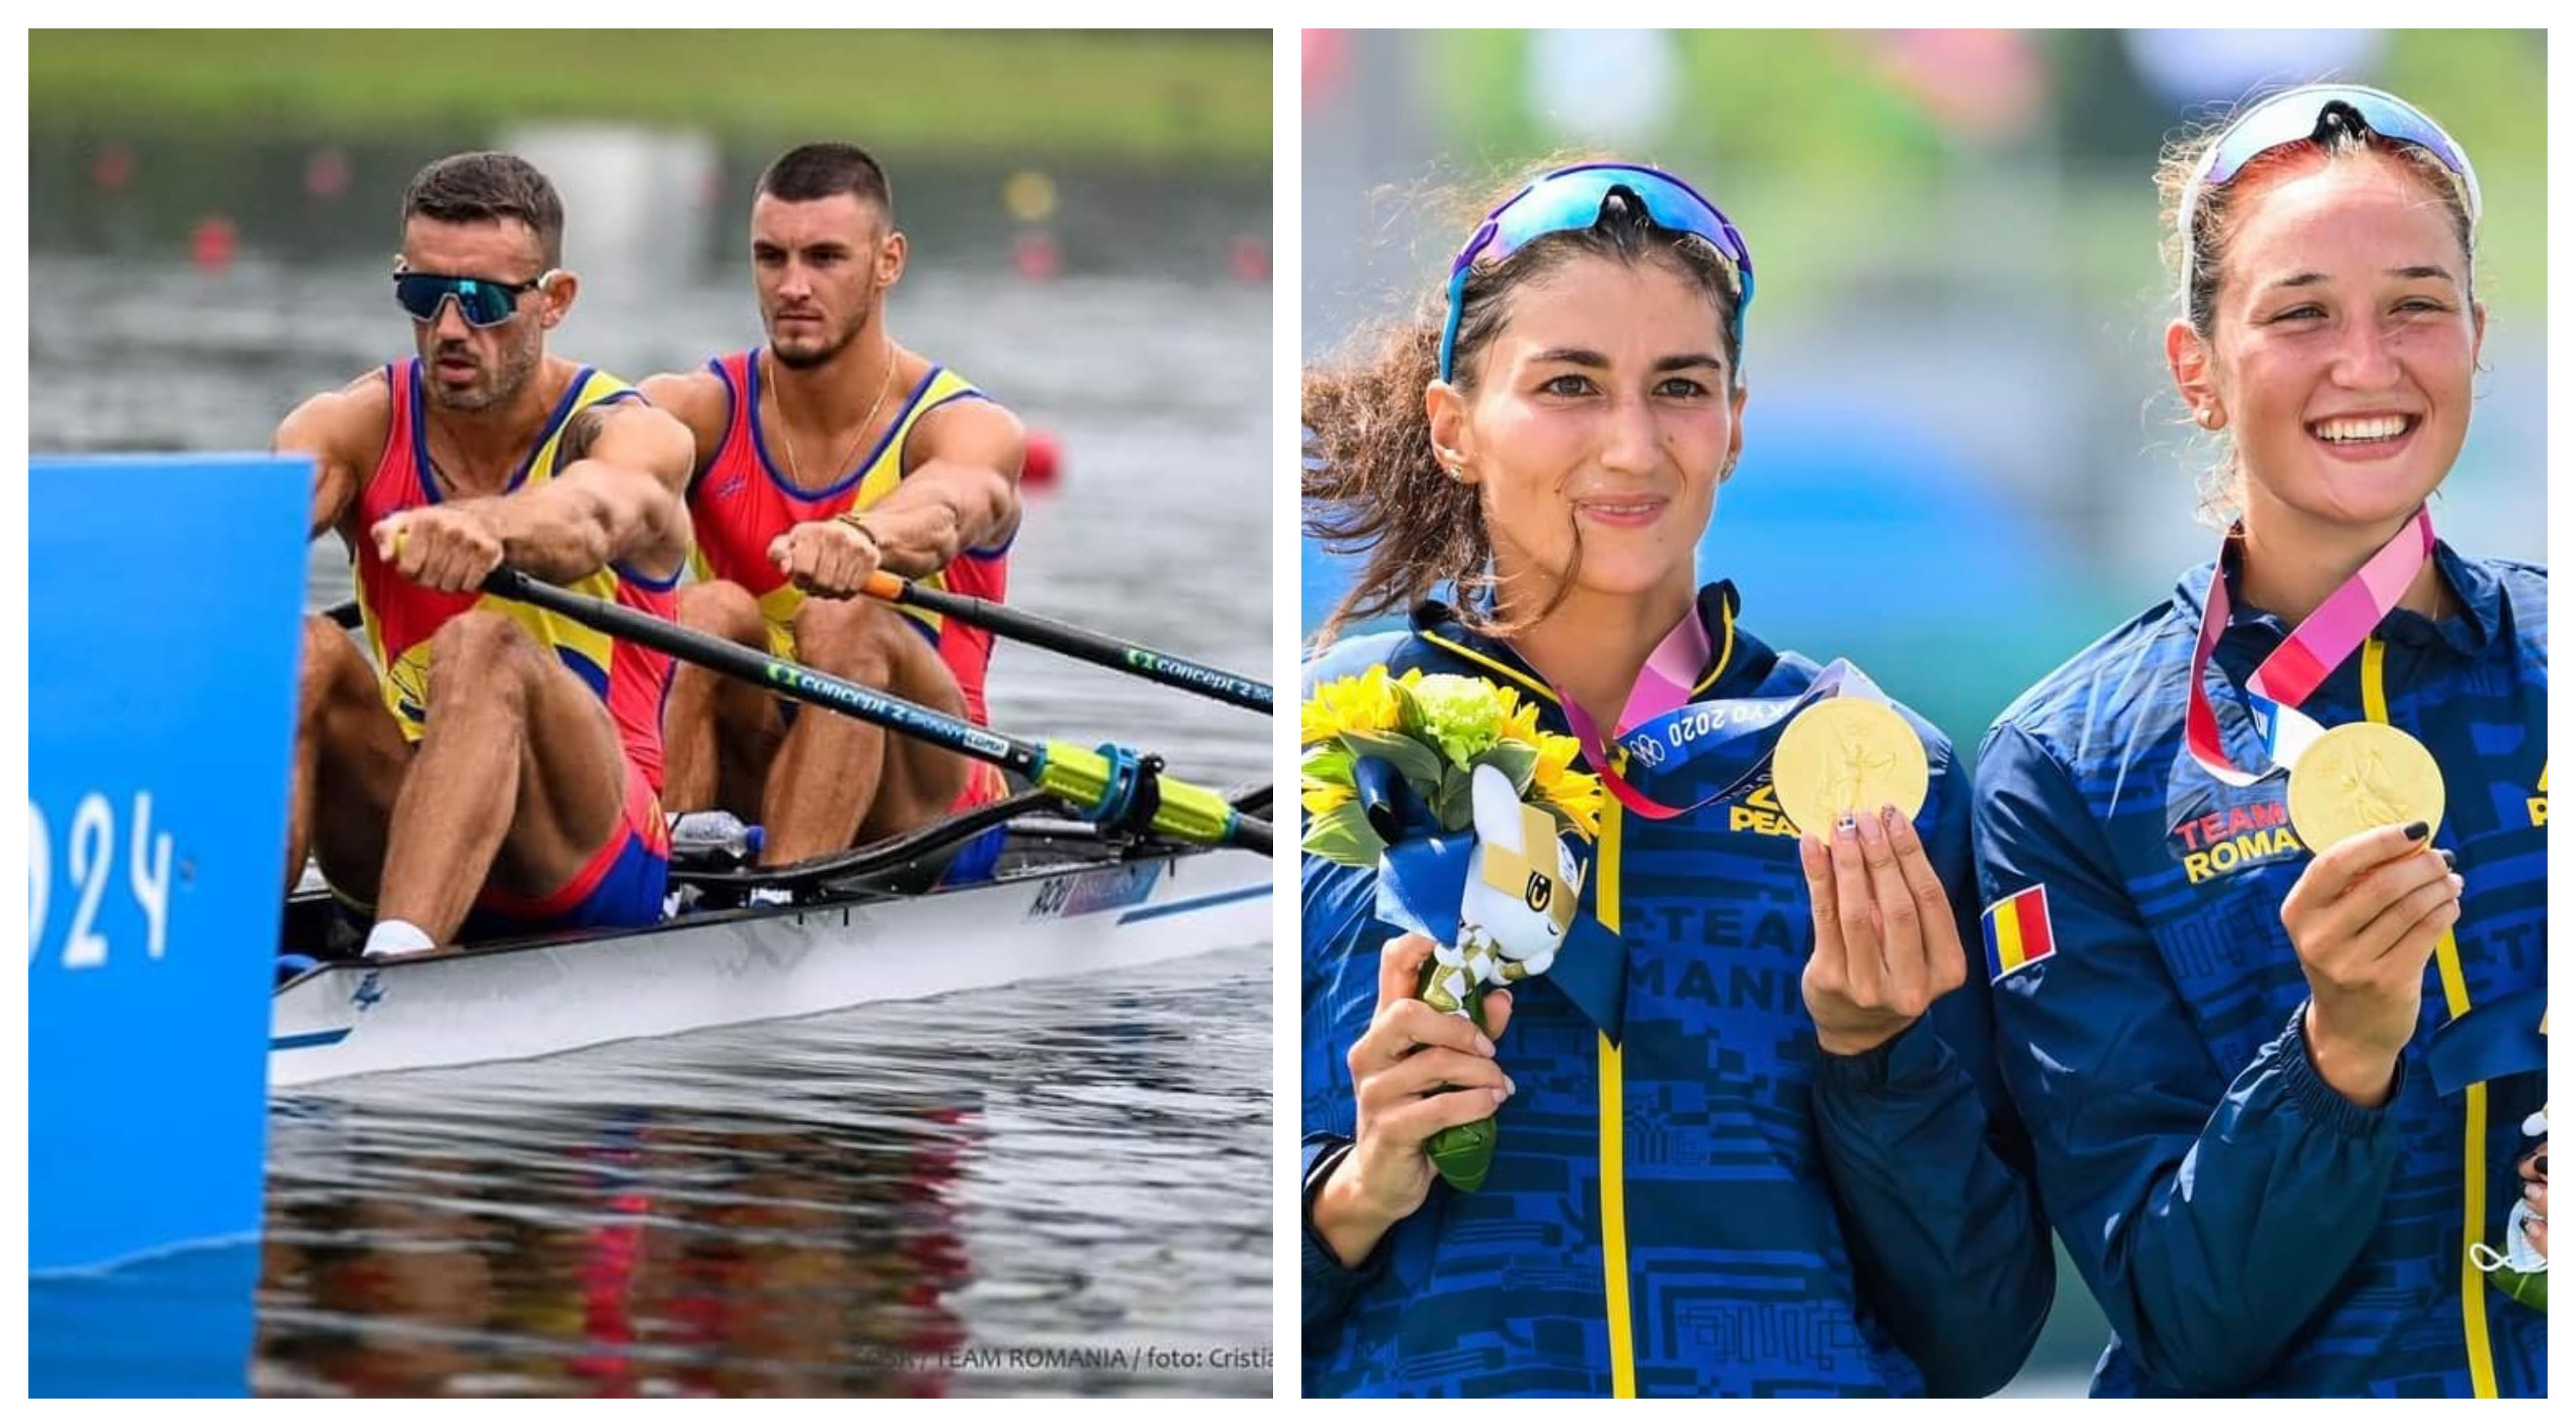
(812, 686)
(1077, 642)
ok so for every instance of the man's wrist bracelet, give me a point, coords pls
(859, 523)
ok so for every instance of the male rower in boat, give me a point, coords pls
(495, 760)
(821, 459)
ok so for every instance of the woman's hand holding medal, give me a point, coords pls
(2364, 918)
(1851, 774)
(1887, 945)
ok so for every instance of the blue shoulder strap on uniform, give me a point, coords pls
(1592, 970)
(2491, 1041)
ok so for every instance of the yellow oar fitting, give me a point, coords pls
(1102, 783)
(1194, 814)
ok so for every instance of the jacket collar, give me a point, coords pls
(1735, 657)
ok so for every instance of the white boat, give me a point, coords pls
(1063, 903)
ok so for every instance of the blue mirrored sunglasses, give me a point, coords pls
(2301, 114)
(1569, 201)
(481, 301)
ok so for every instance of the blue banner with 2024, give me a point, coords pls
(164, 603)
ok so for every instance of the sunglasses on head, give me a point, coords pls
(1570, 200)
(2299, 115)
(480, 301)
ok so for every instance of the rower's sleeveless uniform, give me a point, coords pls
(624, 883)
(742, 502)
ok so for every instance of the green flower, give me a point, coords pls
(1460, 714)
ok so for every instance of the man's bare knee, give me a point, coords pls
(331, 666)
(481, 654)
(854, 639)
(723, 609)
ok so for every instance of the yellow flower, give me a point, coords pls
(1363, 702)
(1556, 753)
(1555, 781)
(1520, 720)
(1579, 794)
(1322, 798)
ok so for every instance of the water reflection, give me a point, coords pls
(1025, 1190)
(636, 1251)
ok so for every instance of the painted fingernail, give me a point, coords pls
(1873, 832)
(2533, 1192)
(1483, 1046)
(2450, 859)
(1509, 1089)
(2415, 831)
(1845, 829)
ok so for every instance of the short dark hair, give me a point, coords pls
(811, 171)
(488, 187)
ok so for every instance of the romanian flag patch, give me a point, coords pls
(2018, 933)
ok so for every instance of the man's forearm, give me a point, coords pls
(922, 525)
(566, 528)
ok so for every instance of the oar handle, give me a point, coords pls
(1093, 648)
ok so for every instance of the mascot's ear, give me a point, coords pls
(1498, 809)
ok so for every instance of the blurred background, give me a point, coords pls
(826, 1207)
(1963, 461)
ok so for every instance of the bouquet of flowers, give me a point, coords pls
(1445, 784)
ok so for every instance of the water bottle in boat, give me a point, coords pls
(713, 838)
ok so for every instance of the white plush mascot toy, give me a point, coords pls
(1517, 907)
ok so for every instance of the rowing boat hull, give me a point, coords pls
(531, 999)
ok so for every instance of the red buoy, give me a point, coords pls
(1044, 462)
(1249, 257)
(326, 173)
(213, 243)
(113, 167)
(1036, 256)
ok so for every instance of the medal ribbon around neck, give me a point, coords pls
(2323, 640)
(1663, 731)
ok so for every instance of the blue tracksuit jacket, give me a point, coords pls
(2247, 1229)
(1709, 1205)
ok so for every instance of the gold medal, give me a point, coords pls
(2361, 776)
(1847, 755)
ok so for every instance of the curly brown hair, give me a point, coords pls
(1372, 483)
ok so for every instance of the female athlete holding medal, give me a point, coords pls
(1735, 1153)
(2237, 1008)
